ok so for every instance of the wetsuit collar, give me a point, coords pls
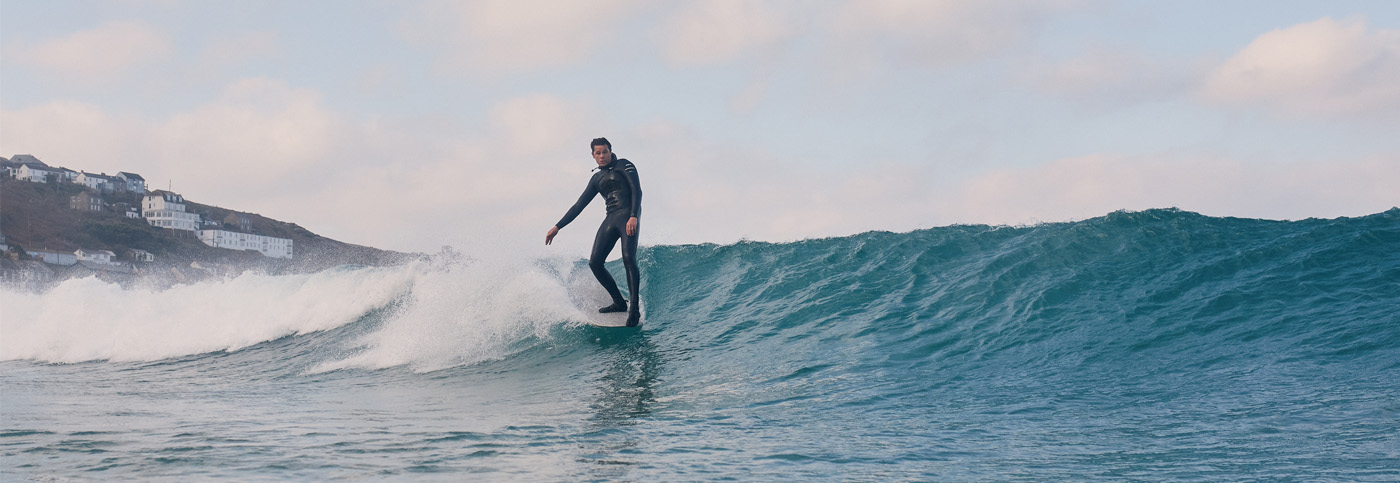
(610, 163)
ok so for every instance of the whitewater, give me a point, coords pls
(1160, 345)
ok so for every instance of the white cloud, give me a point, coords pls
(258, 129)
(702, 190)
(415, 184)
(256, 143)
(52, 132)
(540, 124)
(932, 33)
(382, 79)
(1088, 186)
(705, 33)
(1113, 76)
(1322, 68)
(693, 193)
(101, 54)
(503, 36)
(270, 148)
(232, 51)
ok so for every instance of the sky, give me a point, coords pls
(409, 125)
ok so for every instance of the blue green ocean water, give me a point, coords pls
(1140, 346)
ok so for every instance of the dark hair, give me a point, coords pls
(600, 142)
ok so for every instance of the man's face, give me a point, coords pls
(602, 155)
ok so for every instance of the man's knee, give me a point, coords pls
(596, 263)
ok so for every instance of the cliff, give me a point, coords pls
(35, 216)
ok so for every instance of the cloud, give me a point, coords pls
(102, 54)
(691, 198)
(539, 124)
(1104, 77)
(491, 37)
(1087, 186)
(699, 189)
(271, 148)
(232, 51)
(415, 184)
(259, 136)
(49, 131)
(706, 33)
(932, 33)
(259, 128)
(1324, 68)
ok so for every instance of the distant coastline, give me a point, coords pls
(57, 224)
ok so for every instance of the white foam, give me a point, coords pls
(467, 313)
(450, 314)
(88, 319)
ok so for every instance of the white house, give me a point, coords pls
(34, 174)
(92, 181)
(134, 182)
(66, 175)
(56, 258)
(96, 256)
(268, 246)
(30, 168)
(167, 210)
(142, 255)
(101, 182)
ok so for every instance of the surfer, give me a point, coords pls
(616, 180)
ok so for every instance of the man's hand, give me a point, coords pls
(632, 226)
(554, 230)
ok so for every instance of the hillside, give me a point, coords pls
(37, 216)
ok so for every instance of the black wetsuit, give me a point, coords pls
(618, 184)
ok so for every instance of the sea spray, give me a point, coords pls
(88, 319)
(468, 312)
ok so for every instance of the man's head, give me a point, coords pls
(602, 151)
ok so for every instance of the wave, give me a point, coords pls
(87, 319)
(1130, 291)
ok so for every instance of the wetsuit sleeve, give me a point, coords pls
(635, 184)
(583, 200)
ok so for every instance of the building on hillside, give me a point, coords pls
(95, 256)
(240, 221)
(109, 272)
(66, 175)
(126, 209)
(134, 182)
(24, 272)
(101, 182)
(269, 246)
(140, 255)
(7, 169)
(167, 210)
(30, 168)
(85, 201)
(53, 257)
(92, 181)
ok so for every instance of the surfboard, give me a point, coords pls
(588, 296)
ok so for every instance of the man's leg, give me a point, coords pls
(634, 275)
(602, 245)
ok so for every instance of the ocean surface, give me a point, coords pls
(1140, 346)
